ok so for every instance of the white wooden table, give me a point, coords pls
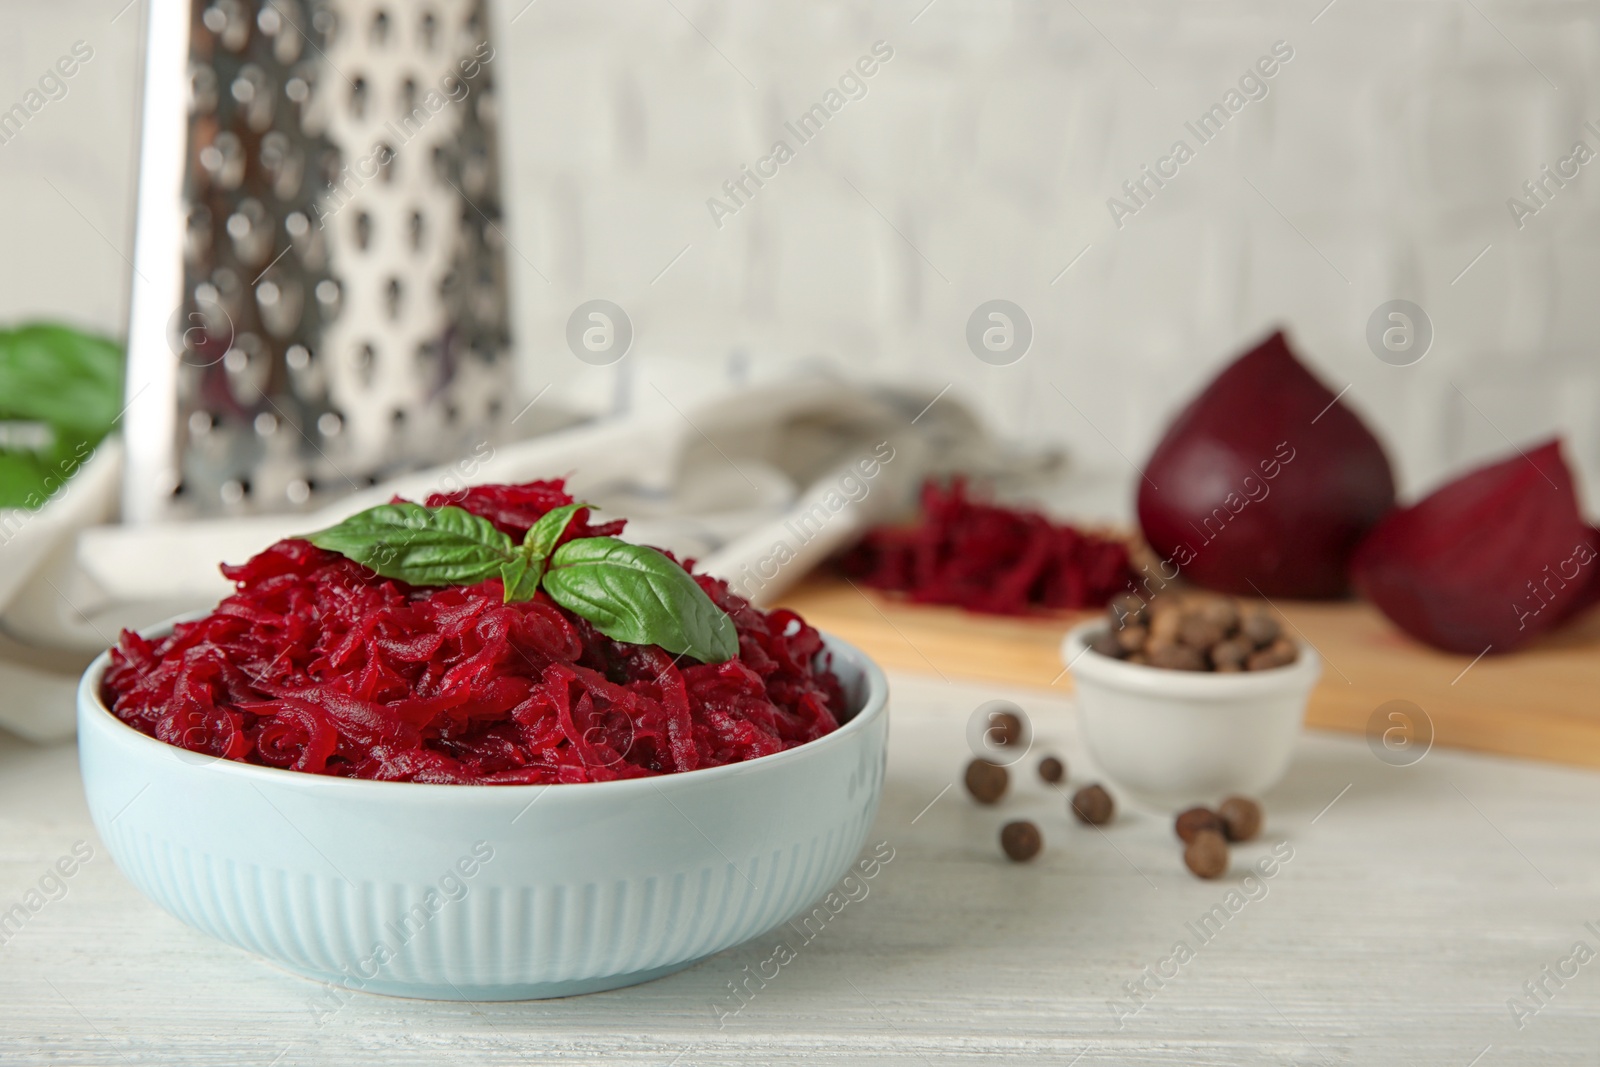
(1417, 902)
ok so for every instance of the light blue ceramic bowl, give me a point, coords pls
(486, 892)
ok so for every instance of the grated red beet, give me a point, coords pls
(987, 558)
(316, 664)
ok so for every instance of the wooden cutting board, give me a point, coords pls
(1541, 702)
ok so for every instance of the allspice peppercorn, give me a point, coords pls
(1005, 728)
(1191, 822)
(986, 781)
(1093, 805)
(1052, 770)
(1195, 632)
(1021, 840)
(1105, 642)
(1131, 639)
(1221, 611)
(1241, 818)
(1280, 653)
(1127, 609)
(1207, 855)
(1259, 627)
(1229, 656)
(1178, 658)
(1199, 632)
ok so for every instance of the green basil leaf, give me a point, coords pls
(521, 579)
(58, 375)
(30, 477)
(22, 479)
(67, 386)
(543, 535)
(636, 594)
(420, 545)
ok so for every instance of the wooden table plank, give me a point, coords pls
(1542, 702)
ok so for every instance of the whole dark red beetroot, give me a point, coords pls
(1489, 561)
(1265, 478)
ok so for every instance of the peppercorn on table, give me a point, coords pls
(1443, 913)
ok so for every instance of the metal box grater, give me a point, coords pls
(319, 296)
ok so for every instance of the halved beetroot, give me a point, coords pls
(1489, 561)
(1265, 483)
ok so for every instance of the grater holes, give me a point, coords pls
(391, 297)
(379, 31)
(363, 230)
(197, 234)
(229, 23)
(475, 171)
(328, 293)
(280, 302)
(223, 160)
(358, 97)
(428, 29)
(386, 162)
(247, 84)
(417, 229)
(256, 95)
(330, 165)
(307, 378)
(202, 89)
(408, 96)
(284, 164)
(281, 20)
(366, 362)
(250, 228)
(226, 288)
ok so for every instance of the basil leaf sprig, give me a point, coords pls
(60, 394)
(635, 594)
(628, 592)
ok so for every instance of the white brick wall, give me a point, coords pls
(991, 142)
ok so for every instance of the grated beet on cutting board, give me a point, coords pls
(988, 558)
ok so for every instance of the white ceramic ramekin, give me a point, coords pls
(486, 892)
(1168, 739)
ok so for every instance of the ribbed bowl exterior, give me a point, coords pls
(485, 892)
